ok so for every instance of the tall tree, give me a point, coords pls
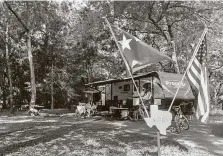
(30, 56)
(8, 64)
(29, 48)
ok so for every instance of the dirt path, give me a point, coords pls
(198, 136)
(201, 136)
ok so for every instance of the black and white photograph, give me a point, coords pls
(111, 78)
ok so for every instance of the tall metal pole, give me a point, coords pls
(127, 66)
(189, 65)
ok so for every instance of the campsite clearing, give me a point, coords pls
(67, 135)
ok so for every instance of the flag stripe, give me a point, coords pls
(193, 86)
(196, 67)
(193, 81)
(203, 102)
(200, 105)
(203, 91)
(197, 77)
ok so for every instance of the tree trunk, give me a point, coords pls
(52, 82)
(215, 98)
(4, 92)
(4, 106)
(30, 57)
(32, 74)
(174, 57)
(170, 39)
(8, 67)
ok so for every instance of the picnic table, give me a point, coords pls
(120, 112)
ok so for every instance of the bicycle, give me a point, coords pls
(181, 121)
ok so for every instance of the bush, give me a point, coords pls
(216, 112)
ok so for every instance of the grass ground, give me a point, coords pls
(67, 135)
(216, 122)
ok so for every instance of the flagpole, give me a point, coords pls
(190, 63)
(127, 66)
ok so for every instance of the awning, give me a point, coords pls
(91, 91)
(110, 81)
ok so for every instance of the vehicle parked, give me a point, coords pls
(122, 93)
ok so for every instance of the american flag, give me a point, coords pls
(198, 78)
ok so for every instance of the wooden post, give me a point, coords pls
(158, 143)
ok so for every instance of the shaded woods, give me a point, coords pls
(48, 50)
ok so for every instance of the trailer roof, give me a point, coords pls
(169, 83)
(109, 81)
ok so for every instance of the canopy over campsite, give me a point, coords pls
(111, 78)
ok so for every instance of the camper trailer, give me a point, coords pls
(122, 92)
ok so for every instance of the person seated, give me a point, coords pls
(135, 112)
(124, 103)
(146, 96)
(111, 110)
(88, 108)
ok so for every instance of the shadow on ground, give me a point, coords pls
(98, 136)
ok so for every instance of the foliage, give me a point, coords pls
(72, 39)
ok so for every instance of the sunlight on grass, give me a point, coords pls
(117, 123)
(141, 151)
(2, 128)
(95, 147)
(15, 121)
(92, 142)
(17, 133)
(116, 148)
(47, 127)
(219, 143)
(96, 139)
(188, 143)
(176, 151)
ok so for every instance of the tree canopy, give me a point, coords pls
(72, 45)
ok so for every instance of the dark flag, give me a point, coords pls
(137, 53)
